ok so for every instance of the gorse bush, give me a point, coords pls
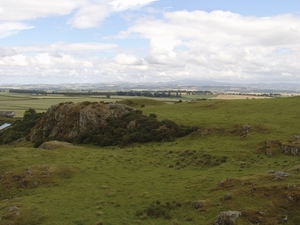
(135, 127)
(20, 128)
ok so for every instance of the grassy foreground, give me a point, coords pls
(221, 165)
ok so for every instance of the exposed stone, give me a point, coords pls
(13, 208)
(242, 130)
(69, 120)
(227, 196)
(198, 204)
(54, 144)
(281, 174)
(175, 222)
(131, 124)
(227, 218)
(290, 149)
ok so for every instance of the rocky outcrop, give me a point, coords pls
(227, 218)
(290, 149)
(69, 120)
(55, 144)
(279, 174)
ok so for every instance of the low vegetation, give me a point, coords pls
(20, 127)
(135, 127)
(240, 165)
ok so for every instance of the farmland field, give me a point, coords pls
(21, 102)
(220, 165)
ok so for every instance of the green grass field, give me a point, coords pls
(157, 183)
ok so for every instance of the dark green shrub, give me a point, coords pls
(20, 128)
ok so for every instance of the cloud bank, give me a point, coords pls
(217, 45)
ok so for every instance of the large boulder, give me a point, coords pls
(70, 120)
(49, 145)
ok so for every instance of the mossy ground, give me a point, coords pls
(157, 183)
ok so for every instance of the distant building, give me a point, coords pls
(4, 126)
(7, 114)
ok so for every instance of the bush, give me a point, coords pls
(20, 128)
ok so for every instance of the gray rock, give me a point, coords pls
(198, 204)
(261, 213)
(227, 218)
(227, 196)
(69, 120)
(131, 125)
(281, 174)
(285, 219)
(290, 149)
(13, 208)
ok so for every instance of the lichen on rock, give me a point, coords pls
(69, 120)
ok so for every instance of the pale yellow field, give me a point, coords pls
(238, 97)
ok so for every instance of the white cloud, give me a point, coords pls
(7, 52)
(128, 60)
(87, 13)
(221, 45)
(18, 10)
(121, 5)
(90, 16)
(11, 28)
(57, 48)
(218, 45)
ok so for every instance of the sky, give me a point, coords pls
(103, 41)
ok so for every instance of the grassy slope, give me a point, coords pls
(87, 184)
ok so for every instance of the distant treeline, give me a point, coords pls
(157, 94)
(254, 94)
(164, 94)
(33, 92)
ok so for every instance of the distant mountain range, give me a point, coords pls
(184, 84)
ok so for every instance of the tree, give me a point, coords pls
(29, 112)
